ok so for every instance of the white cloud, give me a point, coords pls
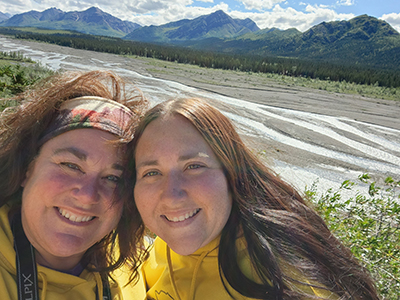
(345, 2)
(260, 4)
(158, 12)
(173, 12)
(15, 7)
(206, 1)
(393, 19)
(284, 18)
(20, 6)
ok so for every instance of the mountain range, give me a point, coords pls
(362, 40)
(4, 17)
(217, 25)
(91, 21)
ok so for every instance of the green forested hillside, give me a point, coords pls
(249, 63)
(363, 40)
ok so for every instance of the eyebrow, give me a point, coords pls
(75, 151)
(118, 167)
(82, 156)
(147, 163)
(181, 158)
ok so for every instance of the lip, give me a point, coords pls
(181, 218)
(74, 218)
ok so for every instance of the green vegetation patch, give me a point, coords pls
(369, 225)
(42, 30)
(15, 78)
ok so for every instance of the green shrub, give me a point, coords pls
(15, 78)
(369, 225)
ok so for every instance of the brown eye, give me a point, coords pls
(194, 166)
(113, 178)
(151, 173)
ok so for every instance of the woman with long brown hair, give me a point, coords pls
(65, 222)
(227, 227)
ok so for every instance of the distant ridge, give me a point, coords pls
(215, 25)
(3, 16)
(91, 21)
(361, 40)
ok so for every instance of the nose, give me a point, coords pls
(87, 191)
(173, 188)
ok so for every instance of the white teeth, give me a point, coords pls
(74, 218)
(184, 217)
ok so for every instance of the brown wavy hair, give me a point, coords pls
(276, 222)
(21, 127)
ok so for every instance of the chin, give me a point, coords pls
(183, 248)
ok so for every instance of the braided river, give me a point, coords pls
(304, 135)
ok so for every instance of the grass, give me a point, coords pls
(343, 87)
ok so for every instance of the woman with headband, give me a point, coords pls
(63, 222)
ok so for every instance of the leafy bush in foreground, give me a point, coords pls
(14, 78)
(369, 226)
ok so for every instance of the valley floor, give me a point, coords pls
(306, 133)
(260, 88)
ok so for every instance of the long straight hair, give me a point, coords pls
(281, 230)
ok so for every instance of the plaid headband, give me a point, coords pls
(90, 112)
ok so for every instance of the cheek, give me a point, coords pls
(115, 214)
(47, 183)
(224, 206)
(218, 186)
(143, 200)
(34, 196)
(28, 209)
(222, 200)
(108, 194)
(145, 210)
(228, 209)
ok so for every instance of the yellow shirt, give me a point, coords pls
(53, 285)
(196, 276)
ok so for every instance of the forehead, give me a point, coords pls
(87, 140)
(171, 132)
(173, 126)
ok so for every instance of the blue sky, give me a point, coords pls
(266, 13)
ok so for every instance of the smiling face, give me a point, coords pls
(181, 191)
(67, 201)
